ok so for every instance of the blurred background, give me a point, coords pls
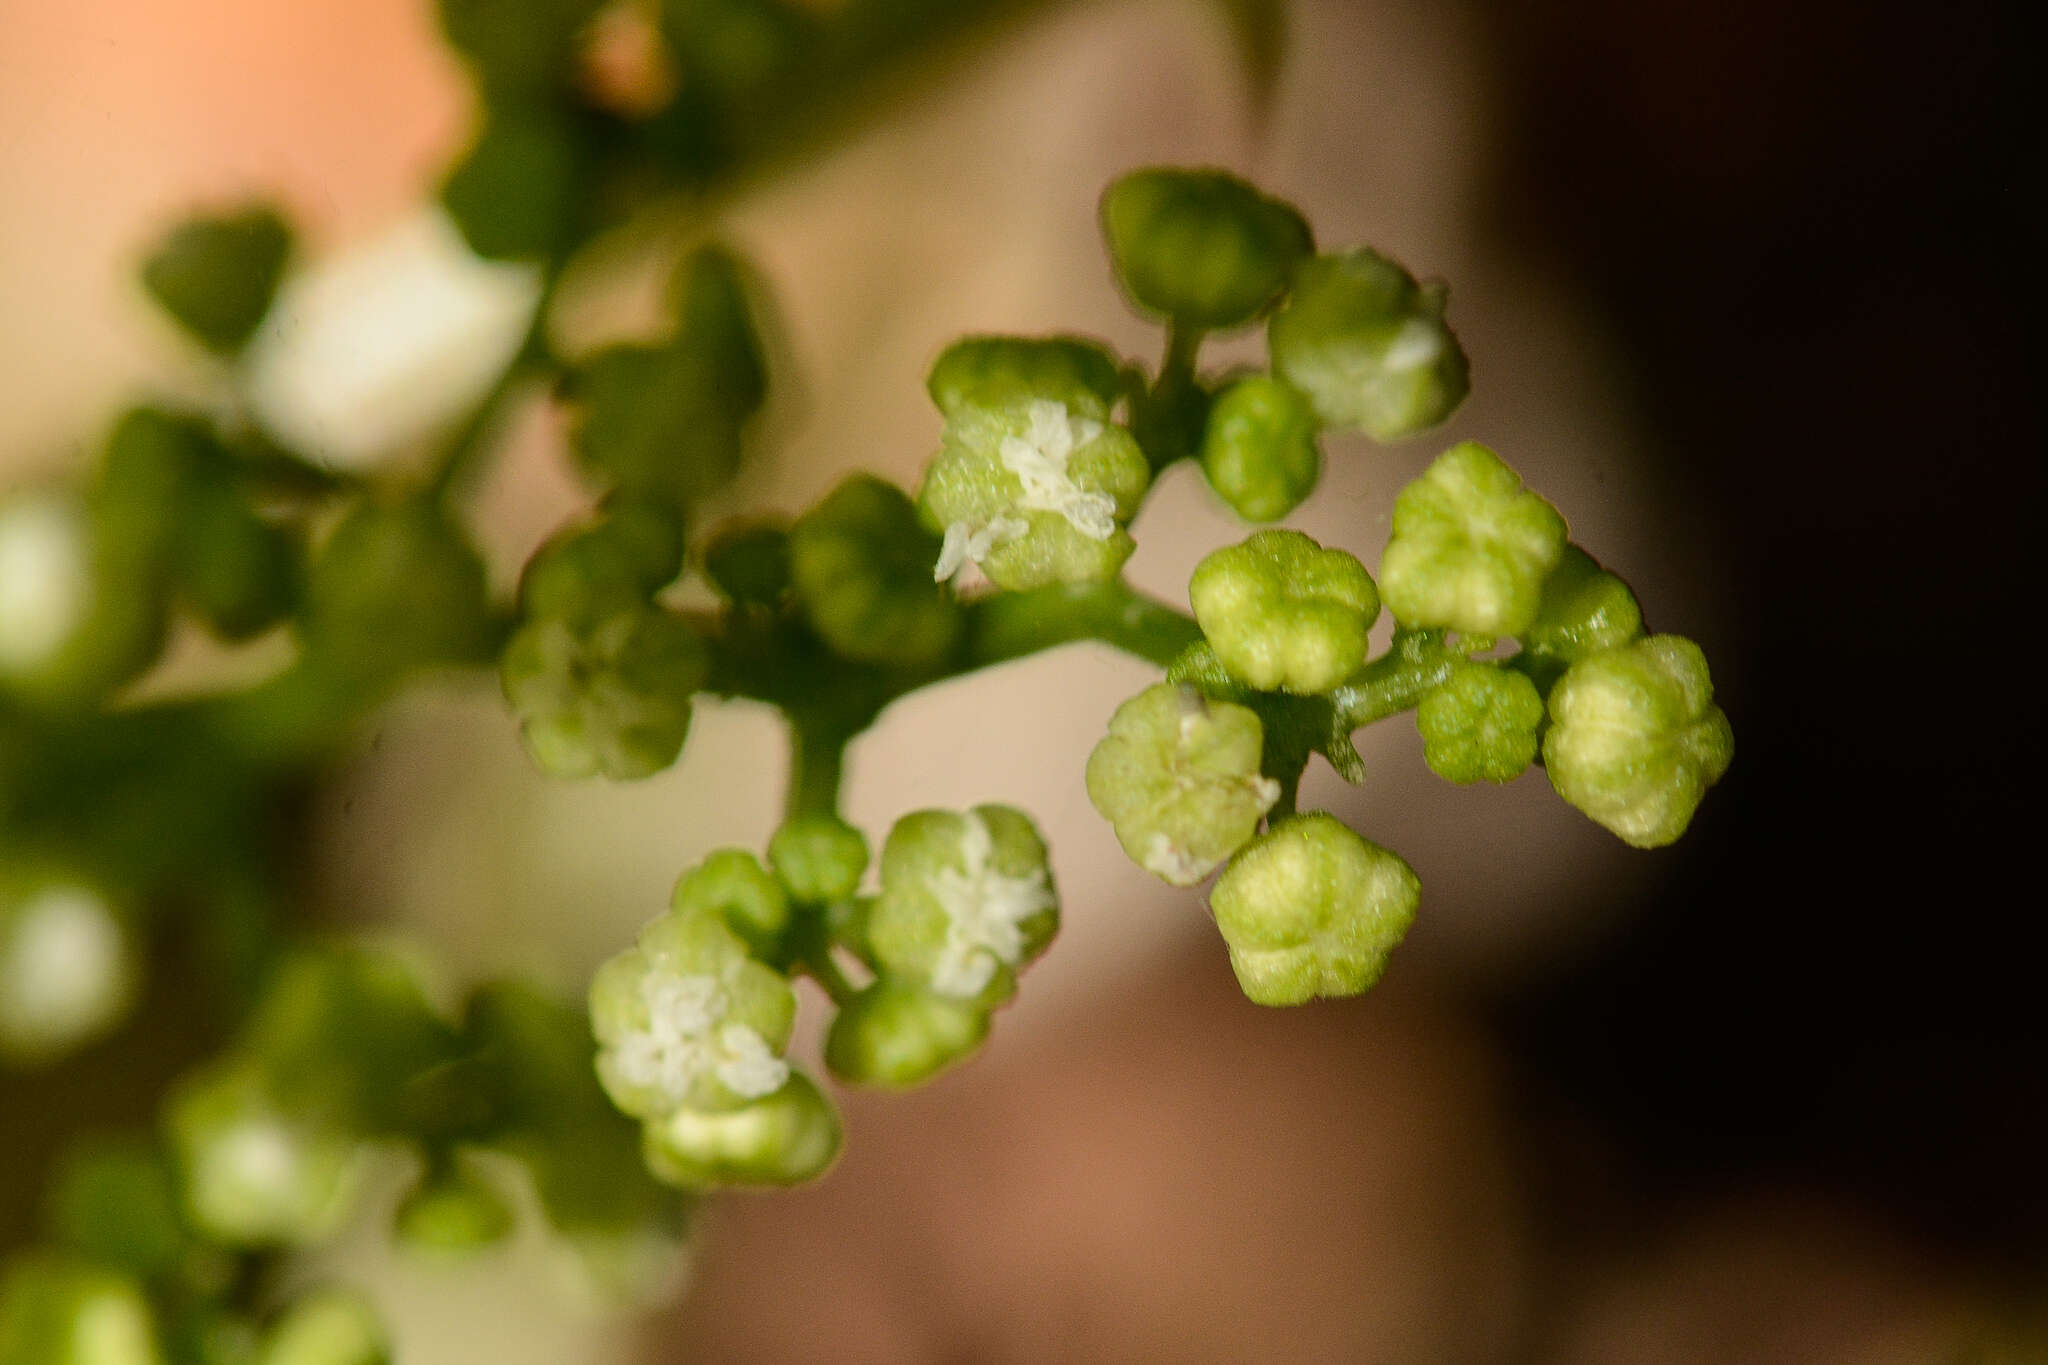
(1742, 287)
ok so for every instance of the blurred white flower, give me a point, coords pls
(387, 342)
(45, 580)
(66, 973)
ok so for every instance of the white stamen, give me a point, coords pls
(687, 1037)
(985, 910)
(1039, 460)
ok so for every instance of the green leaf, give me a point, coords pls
(216, 275)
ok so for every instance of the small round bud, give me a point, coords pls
(1259, 448)
(1201, 247)
(862, 568)
(654, 420)
(1471, 548)
(785, 1138)
(1311, 909)
(611, 698)
(1283, 613)
(250, 1174)
(452, 1213)
(897, 1036)
(1635, 739)
(396, 587)
(1368, 346)
(326, 1327)
(67, 970)
(58, 1311)
(1480, 725)
(1001, 372)
(732, 885)
(1585, 611)
(820, 858)
(966, 902)
(1035, 494)
(1178, 779)
(749, 564)
(685, 1019)
(216, 275)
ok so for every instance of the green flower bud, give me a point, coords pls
(1311, 909)
(1201, 247)
(660, 421)
(58, 1311)
(67, 969)
(394, 588)
(714, 319)
(611, 698)
(1471, 549)
(1283, 613)
(251, 1175)
(1178, 779)
(1259, 448)
(749, 563)
(453, 1213)
(1034, 494)
(898, 1036)
(732, 886)
(820, 858)
(1480, 725)
(1635, 739)
(621, 559)
(240, 572)
(1001, 372)
(862, 568)
(1368, 346)
(327, 1327)
(1585, 611)
(785, 1138)
(525, 52)
(216, 275)
(966, 902)
(687, 1020)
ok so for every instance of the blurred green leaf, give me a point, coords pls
(216, 275)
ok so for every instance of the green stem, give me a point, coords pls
(821, 968)
(1418, 661)
(1011, 625)
(817, 767)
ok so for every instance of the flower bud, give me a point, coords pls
(1480, 725)
(1635, 739)
(1259, 448)
(784, 1138)
(966, 902)
(1283, 613)
(216, 275)
(862, 568)
(1000, 372)
(1310, 909)
(59, 1311)
(632, 549)
(685, 1019)
(452, 1214)
(396, 587)
(1201, 247)
(1035, 494)
(67, 970)
(732, 886)
(1368, 346)
(326, 1327)
(611, 698)
(250, 1174)
(1585, 611)
(1178, 779)
(820, 858)
(749, 564)
(898, 1036)
(1471, 549)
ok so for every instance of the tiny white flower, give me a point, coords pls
(985, 911)
(65, 971)
(1039, 460)
(372, 349)
(967, 543)
(687, 1037)
(45, 580)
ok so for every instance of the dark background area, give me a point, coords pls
(1807, 223)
